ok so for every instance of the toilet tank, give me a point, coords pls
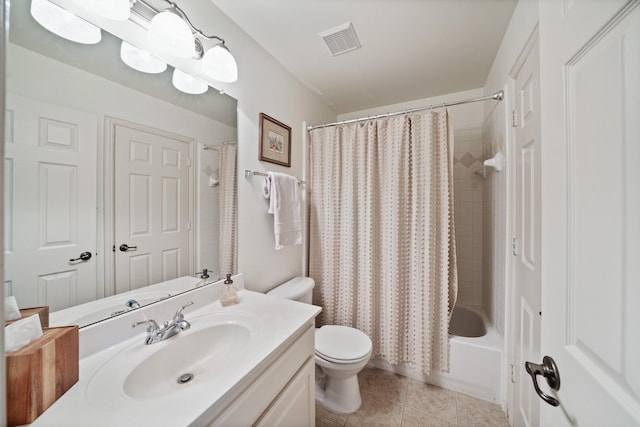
(296, 289)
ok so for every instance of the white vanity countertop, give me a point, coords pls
(98, 399)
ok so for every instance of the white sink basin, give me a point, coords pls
(189, 357)
(205, 353)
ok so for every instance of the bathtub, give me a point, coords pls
(475, 362)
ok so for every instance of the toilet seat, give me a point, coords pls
(342, 344)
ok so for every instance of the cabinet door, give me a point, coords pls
(295, 406)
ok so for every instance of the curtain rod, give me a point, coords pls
(496, 97)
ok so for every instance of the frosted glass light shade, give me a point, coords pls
(140, 60)
(188, 84)
(64, 23)
(169, 34)
(219, 64)
(117, 10)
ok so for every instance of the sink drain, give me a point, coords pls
(185, 378)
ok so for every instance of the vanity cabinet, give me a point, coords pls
(283, 393)
(295, 406)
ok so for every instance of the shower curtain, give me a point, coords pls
(382, 246)
(228, 210)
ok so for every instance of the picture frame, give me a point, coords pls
(275, 141)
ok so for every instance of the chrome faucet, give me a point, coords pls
(156, 334)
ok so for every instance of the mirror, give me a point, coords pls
(113, 178)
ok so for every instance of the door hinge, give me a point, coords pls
(514, 123)
(189, 161)
(188, 225)
(514, 246)
(513, 377)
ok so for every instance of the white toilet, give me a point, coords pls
(341, 352)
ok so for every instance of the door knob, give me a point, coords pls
(124, 247)
(549, 370)
(84, 256)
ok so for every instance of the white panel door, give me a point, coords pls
(590, 80)
(50, 203)
(527, 226)
(151, 207)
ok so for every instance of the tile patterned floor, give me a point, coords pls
(393, 400)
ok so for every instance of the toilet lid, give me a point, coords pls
(341, 343)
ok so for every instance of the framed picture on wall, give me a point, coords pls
(275, 141)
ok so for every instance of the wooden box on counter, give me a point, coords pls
(43, 312)
(40, 372)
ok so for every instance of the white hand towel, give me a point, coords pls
(284, 203)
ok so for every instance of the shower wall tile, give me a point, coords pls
(494, 221)
(468, 196)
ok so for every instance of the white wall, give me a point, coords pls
(494, 224)
(466, 121)
(209, 231)
(3, 31)
(263, 86)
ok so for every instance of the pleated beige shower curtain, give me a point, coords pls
(227, 210)
(382, 244)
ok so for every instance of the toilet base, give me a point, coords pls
(340, 395)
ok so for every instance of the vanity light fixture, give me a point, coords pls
(170, 34)
(169, 31)
(64, 23)
(188, 84)
(217, 61)
(141, 60)
(219, 64)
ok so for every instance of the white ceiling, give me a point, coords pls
(411, 49)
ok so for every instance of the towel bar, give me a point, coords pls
(248, 173)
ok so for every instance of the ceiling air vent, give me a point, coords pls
(341, 39)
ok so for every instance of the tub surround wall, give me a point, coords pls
(468, 186)
(208, 214)
(494, 221)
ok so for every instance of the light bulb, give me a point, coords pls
(169, 34)
(219, 64)
(188, 84)
(118, 10)
(141, 60)
(64, 23)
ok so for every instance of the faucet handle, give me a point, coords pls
(153, 326)
(179, 315)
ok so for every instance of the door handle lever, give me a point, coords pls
(124, 247)
(549, 370)
(84, 256)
